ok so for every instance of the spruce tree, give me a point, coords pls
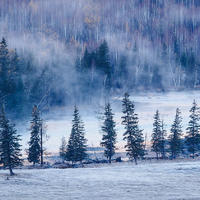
(163, 140)
(62, 150)
(193, 136)
(86, 61)
(34, 143)
(76, 148)
(104, 64)
(4, 68)
(10, 148)
(157, 135)
(175, 140)
(157, 79)
(133, 135)
(42, 139)
(109, 136)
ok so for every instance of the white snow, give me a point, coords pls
(124, 181)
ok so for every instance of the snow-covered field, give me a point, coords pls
(124, 181)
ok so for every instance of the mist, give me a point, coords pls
(59, 31)
(159, 41)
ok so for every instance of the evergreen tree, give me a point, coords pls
(34, 143)
(4, 68)
(156, 79)
(109, 136)
(18, 90)
(175, 141)
(193, 136)
(145, 77)
(104, 64)
(10, 149)
(157, 135)
(133, 135)
(42, 135)
(163, 140)
(76, 148)
(122, 73)
(86, 61)
(62, 150)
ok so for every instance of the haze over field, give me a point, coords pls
(99, 99)
(86, 50)
(146, 105)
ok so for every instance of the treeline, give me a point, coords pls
(75, 150)
(23, 84)
(164, 146)
(97, 74)
(156, 36)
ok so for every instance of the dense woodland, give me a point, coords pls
(58, 52)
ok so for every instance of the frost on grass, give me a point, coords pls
(124, 181)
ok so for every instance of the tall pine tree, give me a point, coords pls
(62, 149)
(10, 148)
(175, 140)
(157, 135)
(163, 140)
(76, 148)
(133, 135)
(104, 64)
(34, 143)
(5, 87)
(109, 136)
(193, 136)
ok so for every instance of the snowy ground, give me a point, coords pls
(124, 181)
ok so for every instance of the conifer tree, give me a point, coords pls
(86, 61)
(34, 143)
(104, 64)
(10, 148)
(163, 140)
(109, 136)
(76, 148)
(4, 67)
(193, 136)
(157, 135)
(42, 136)
(156, 79)
(18, 93)
(175, 140)
(62, 150)
(133, 135)
(122, 73)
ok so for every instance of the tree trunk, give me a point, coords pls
(109, 160)
(157, 156)
(41, 145)
(135, 161)
(11, 172)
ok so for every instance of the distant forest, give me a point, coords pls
(53, 53)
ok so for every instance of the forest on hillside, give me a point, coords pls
(54, 53)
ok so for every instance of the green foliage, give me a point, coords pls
(76, 147)
(109, 136)
(34, 143)
(157, 135)
(193, 135)
(10, 148)
(133, 135)
(62, 150)
(157, 79)
(175, 139)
